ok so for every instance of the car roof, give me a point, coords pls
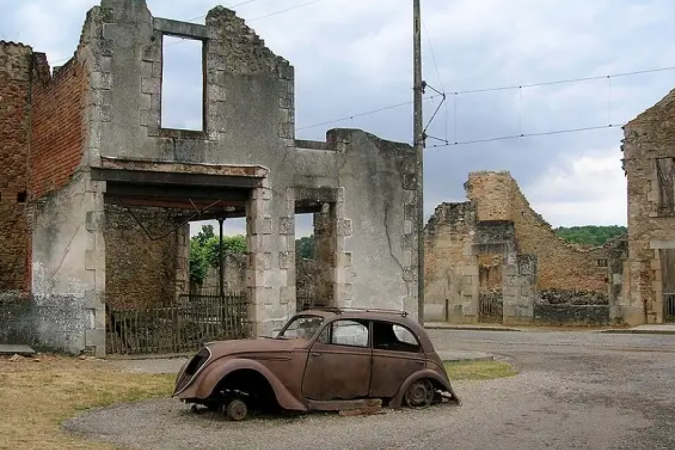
(391, 316)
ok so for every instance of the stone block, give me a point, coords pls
(94, 338)
(100, 80)
(94, 260)
(286, 260)
(287, 295)
(287, 226)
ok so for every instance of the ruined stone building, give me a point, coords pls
(96, 194)
(494, 259)
(649, 164)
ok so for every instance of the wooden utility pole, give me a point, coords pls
(419, 149)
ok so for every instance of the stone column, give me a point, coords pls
(325, 233)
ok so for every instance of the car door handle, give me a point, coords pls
(420, 363)
(315, 354)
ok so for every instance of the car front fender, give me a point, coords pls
(202, 387)
(397, 400)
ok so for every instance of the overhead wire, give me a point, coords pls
(500, 88)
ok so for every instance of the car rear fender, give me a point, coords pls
(440, 382)
(203, 386)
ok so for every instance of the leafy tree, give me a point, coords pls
(304, 247)
(204, 251)
(590, 234)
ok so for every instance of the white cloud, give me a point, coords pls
(587, 190)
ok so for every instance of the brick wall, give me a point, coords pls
(15, 72)
(140, 271)
(560, 265)
(58, 127)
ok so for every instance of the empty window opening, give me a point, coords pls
(21, 197)
(315, 239)
(213, 266)
(665, 173)
(182, 84)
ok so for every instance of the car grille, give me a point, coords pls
(196, 363)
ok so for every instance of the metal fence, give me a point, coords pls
(490, 309)
(669, 307)
(180, 327)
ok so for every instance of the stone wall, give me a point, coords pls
(648, 163)
(141, 259)
(235, 275)
(560, 265)
(566, 315)
(496, 248)
(15, 83)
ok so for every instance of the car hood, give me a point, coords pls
(224, 348)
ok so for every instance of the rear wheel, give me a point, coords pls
(420, 394)
(236, 410)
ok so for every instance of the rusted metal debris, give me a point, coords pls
(351, 361)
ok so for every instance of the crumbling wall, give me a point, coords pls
(235, 275)
(141, 256)
(15, 83)
(560, 266)
(648, 160)
(451, 269)
(495, 249)
(57, 124)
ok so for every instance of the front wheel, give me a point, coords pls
(420, 394)
(236, 410)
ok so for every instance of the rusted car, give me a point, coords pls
(324, 359)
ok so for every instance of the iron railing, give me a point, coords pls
(490, 309)
(176, 328)
(669, 307)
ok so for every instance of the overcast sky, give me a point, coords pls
(355, 56)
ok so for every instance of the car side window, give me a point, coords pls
(349, 333)
(388, 336)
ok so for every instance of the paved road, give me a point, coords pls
(575, 391)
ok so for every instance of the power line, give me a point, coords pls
(283, 11)
(529, 135)
(228, 6)
(502, 88)
(365, 113)
(564, 81)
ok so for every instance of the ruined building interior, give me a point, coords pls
(97, 195)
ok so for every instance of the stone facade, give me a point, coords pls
(106, 151)
(496, 248)
(649, 157)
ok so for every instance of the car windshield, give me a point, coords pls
(301, 327)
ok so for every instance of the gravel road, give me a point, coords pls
(575, 391)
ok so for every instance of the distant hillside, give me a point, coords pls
(590, 234)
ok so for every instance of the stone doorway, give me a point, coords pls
(667, 257)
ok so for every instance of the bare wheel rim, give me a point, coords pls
(420, 394)
(237, 410)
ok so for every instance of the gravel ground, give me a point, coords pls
(575, 391)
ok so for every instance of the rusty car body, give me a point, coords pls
(322, 360)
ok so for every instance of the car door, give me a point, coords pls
(339, 362)
(397, 354)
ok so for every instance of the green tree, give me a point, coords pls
(594, 235)
(304, 247)
(204, 251)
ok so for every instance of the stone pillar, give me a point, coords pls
(519, 288)
(269, 293)
(325, 233)
(341, 229)
(182, 260)
(95, 265)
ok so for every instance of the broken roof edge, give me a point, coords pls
(150, 165)
(664, 102)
